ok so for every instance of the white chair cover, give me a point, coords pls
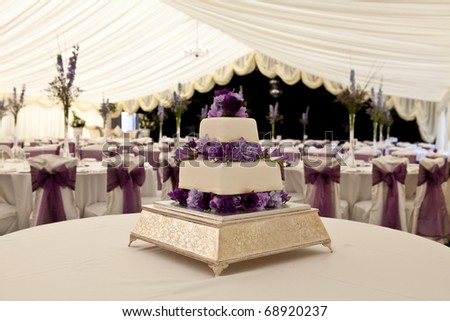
(8, 218)
(380, 191)
(115, 199)
(50, 162)
(437, 219)
(340, 207)
(6, 152)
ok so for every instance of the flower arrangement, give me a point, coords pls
(304, 121)
(352, 97)
(274, 117)
(61, 88)
(179, 107)
(227, 103)
(146, 121)
(106, 110)
(15, 105)
(229, 204)
(77, 122)
(377, 105)
(3, 109)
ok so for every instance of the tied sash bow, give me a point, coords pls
(391, 216)
(433, 219)
(323, 193)
(130, 183)
(51, 208)
(172, 172)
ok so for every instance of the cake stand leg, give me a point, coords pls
(218, 268)
(132, 239)
(328, 245)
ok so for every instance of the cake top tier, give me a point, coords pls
(227, 129)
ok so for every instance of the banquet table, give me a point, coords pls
(15, 186)
(90, 259)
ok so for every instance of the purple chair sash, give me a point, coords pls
(130, 183)
(391, 216)
(172, 172)
(51, 208)
(323, 198)
(433, 219)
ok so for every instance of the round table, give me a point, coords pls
(89, 259)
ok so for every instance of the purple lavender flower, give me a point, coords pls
(180, 195)
(198, 200)
(225, 204)
(160, 113)
(263, 199)
(352, 81)
(275, 199)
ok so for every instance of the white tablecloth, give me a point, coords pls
(15, 187)
(89, 259)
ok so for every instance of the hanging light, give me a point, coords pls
(275, 90)
(197, 51)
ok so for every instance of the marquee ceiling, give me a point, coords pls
(133, 49)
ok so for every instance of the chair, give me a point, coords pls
(53, 179)
(322, 179)
(430, 216)
(123, 184)
(6, 152)
(387, 205)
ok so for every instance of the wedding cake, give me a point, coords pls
(227, 171)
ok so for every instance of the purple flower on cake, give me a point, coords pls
(227, 103)
(277, 199)
(227, 204)
(180, 195)
(198, 200)
(254, 201)
(212, 151)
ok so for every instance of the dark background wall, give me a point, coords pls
(325, 114)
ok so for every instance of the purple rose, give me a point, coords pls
(250, 201)
(231, 105)
(180, 195)
(212, 150)
(250, 152)
(192, 143)
(225, 204)
(223, 91)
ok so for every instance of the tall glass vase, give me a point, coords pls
(65, 152)
(351, 151)
(160, 132)
(375, 132)
(178, 123)
(273, 130)
(381, 135)
(15, 149)
(304, 133)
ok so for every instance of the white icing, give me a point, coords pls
(227, 129)
(230, 178)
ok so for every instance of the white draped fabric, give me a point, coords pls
(132, 51)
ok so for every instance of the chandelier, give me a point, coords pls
(197, 51)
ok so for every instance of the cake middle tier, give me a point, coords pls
(230, 178)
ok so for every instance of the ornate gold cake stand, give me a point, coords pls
(222, 240)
